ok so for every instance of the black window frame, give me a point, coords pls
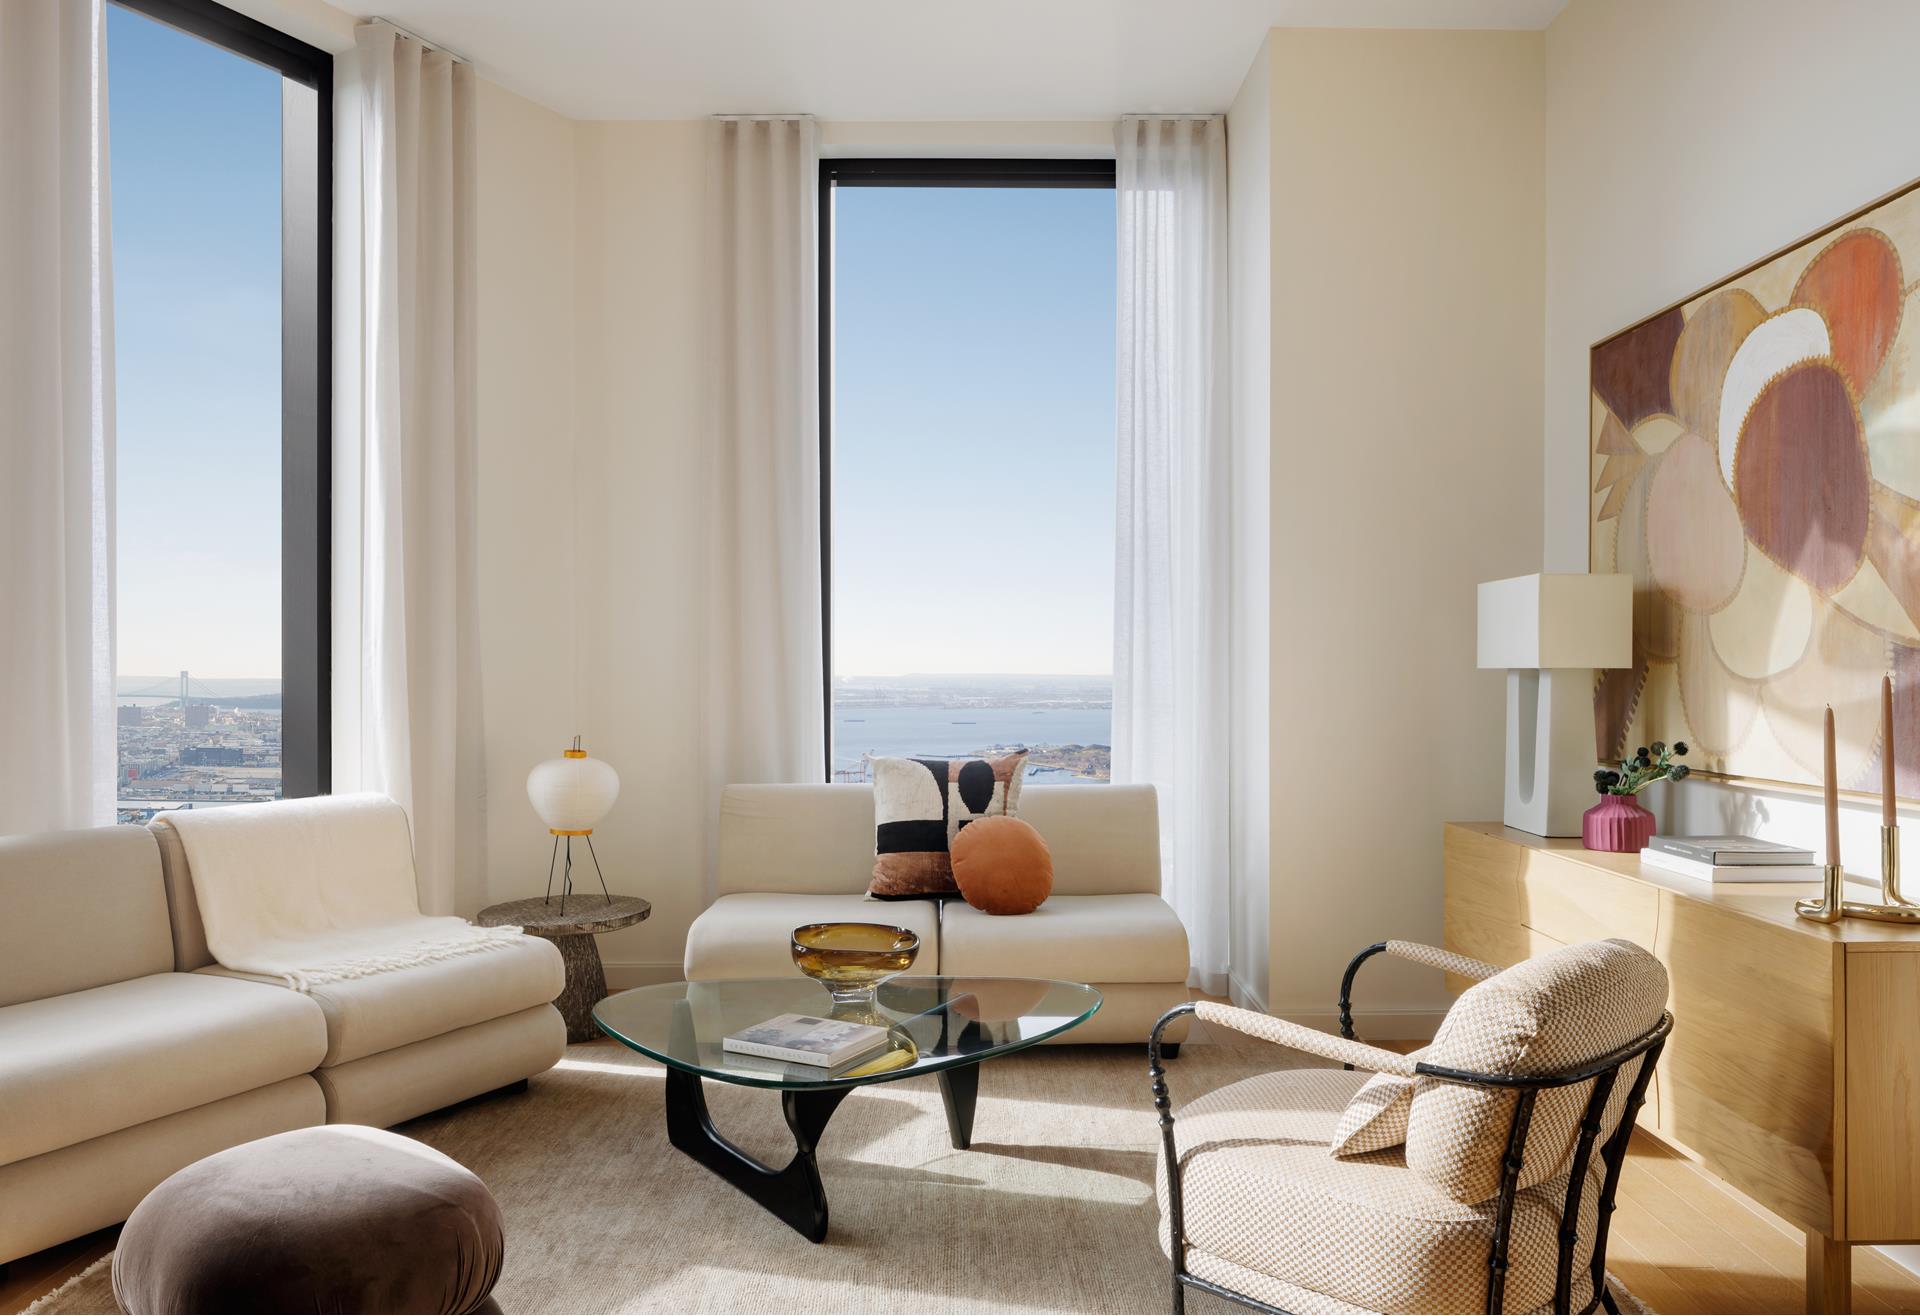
(306, 373)
(902, 171)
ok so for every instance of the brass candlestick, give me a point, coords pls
(1894, 907)
(1831, 907)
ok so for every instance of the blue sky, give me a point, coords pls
(973, 517)
(194, 134)
(973, 497)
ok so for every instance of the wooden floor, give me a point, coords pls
(1682, 1242)
(27, 1279)
(1685, 1242)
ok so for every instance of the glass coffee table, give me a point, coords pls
(943, 1026)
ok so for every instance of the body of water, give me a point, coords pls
(939, 732)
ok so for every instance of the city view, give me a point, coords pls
(973, 476)
(197, 332)
(186, 743)
(1066, 722)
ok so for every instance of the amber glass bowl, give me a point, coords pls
(851, 959)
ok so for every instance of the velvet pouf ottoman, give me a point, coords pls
(340, 1218)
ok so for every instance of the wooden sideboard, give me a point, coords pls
(1793, 1072)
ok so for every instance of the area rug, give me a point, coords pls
(1051, 1210)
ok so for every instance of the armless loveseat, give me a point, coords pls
(798, 854)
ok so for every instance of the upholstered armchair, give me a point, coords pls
(1476, 1174)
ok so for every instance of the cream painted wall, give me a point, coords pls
(1407, 220)
(1654, 191)
(642, 299)
(1250, 280)
(525, 345)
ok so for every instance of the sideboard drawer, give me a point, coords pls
(1571, 902)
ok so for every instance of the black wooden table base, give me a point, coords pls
(794, 1192)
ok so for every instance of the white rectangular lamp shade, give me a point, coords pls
(1550, 632)
(1557, 620)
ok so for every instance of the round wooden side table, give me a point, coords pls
(573, 932)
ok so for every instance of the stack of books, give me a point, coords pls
(1731, 859)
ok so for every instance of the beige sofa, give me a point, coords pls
(125, 1053)
(790, 855)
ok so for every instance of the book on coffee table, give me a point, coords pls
(806, 1039)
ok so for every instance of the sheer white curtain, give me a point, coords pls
(765, 700)
(1170, 673)
(56, 419)
(406, 680)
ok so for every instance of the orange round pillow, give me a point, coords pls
(1002, 866)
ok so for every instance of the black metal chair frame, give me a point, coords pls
(1604, 1072)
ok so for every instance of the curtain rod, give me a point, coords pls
(411, 35)
(759, 118)
(1152, 114)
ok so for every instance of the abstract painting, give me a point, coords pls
(1756, 470)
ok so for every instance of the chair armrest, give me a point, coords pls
(1433, 957)
(1311, 1040)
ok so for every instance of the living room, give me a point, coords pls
(702, 656)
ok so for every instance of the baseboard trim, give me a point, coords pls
(1244, 996)
(624, 974)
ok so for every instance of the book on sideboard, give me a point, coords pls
(1717, 873)
(1730, 851)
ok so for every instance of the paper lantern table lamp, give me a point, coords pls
(571, 794)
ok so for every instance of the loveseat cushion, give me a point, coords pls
(89, 1063)
(381, 1011)
(1130, 938)
(1262, 1192)
(750, 936)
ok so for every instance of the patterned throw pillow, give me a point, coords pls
(1376, 1118)
(920, 805)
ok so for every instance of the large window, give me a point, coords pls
(220, 166)
(968, 433)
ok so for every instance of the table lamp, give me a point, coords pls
(1551, 632)
(571, 794)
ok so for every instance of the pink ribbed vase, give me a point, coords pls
(1617, 824)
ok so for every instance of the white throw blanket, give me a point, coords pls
(317, 890)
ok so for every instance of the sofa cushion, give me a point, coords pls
(920, 805)
(83, 909)
(366, 1016)
(1129, 938)
(801, 840)
(750, 936)
(1262, 1192)
(1105, 839)
(88, 1063)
